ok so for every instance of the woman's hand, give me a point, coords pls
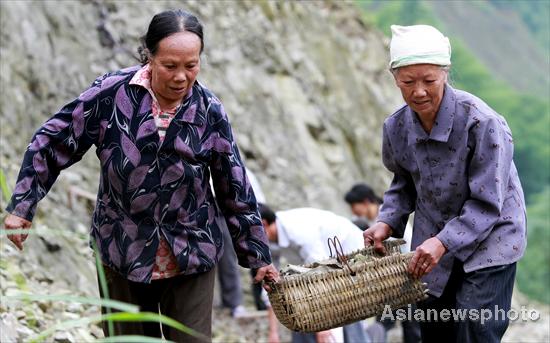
(375, 235)
(426, 257)
(13, 222)
(267, 273)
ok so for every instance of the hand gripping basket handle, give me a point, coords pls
(340, 256)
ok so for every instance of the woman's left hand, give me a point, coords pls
(426, 257)
(267, 273)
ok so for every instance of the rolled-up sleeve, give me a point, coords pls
(59, 143)
(488, 173)
(235, 197)
(400, 198)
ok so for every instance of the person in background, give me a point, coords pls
(159, 136)
(365, 205)
(256, 288)
(363, 202)
(229, 274)
(451, 156)
(229, 277)
(301, 235)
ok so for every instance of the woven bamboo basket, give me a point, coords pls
(321, 301)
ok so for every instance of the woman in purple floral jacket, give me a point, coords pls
(159, 135)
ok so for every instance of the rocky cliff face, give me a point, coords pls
(304, 83)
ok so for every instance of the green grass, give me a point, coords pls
(6, 194)
(126, 312)
(533, 273)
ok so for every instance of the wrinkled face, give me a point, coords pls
(422, 87)
(175, 66)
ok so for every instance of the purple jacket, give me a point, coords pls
(147, 189)
(461, 183)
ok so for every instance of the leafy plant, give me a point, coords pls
(533, 274)
(6, 194)
(127, 312)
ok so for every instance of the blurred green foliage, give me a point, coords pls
(533, 274)
(528, 116)
(535, 14)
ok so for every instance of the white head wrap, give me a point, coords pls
(418, 44)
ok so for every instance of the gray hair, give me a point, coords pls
(446, 69)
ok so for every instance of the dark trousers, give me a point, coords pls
(185, 298)
(229, 274)
(477, 290)
(257, 292)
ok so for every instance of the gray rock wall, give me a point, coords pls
(305, 84)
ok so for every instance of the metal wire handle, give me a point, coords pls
(340, 256)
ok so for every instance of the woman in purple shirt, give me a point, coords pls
(451, 156)
(159, 136)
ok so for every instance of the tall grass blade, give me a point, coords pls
(6, 194)
(103, 285)
(118, 316)
(119, 305)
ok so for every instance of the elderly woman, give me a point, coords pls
(159, 135)
(451, 157)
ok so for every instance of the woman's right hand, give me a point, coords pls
(267, 273)
(13, 222)
(375, 235)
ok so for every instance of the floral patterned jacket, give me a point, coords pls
(149, 189)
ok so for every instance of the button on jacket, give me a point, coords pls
(147, 188)
(461, 183)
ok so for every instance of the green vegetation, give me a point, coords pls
(527, 115)
(535, 15)
(533, 274)
(127, 312)
(6, 194)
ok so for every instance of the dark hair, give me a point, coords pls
(163, 25)
(266, 213)
(361, 192)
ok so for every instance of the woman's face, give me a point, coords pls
(422, 87)
(174, 67)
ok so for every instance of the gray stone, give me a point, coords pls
(305, 85)
(20, 315)
(63, 337)
(8, 328)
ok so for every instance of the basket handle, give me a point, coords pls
(340, 256)
(272, 284)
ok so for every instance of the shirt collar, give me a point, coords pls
(443, 122)
(193, 111)
(142, 77)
